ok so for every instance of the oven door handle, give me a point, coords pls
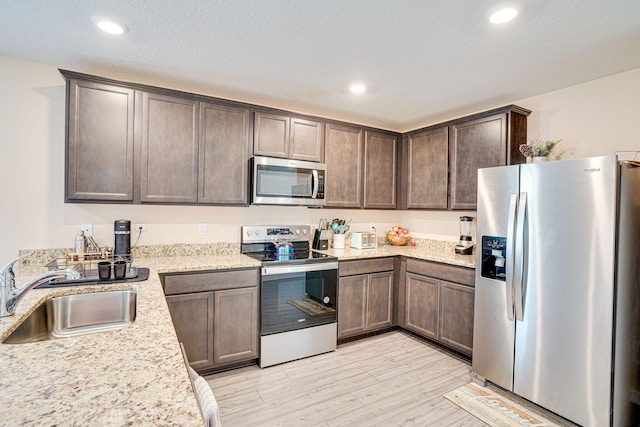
(303, 268)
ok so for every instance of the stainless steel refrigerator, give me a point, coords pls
(556, 300)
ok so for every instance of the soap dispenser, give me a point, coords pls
(80, 244)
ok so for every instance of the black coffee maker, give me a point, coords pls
(122, 236)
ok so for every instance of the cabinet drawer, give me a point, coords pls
(351, 268)
(209, 281)
(466, 276)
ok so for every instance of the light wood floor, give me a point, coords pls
(392, 379)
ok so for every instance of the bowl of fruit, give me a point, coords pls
(398, 236)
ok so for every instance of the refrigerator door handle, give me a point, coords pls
(511, 240)
(519, 257)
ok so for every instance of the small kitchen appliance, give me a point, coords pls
(465, 245)
(363, 240)
(122, 237)
(298, 293)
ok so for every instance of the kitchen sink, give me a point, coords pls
(80, 314)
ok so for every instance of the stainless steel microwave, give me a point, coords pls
(287, 182)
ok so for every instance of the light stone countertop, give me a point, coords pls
(429, 250)
(135, 375)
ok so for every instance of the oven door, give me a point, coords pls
(287, 182)
(298, 296)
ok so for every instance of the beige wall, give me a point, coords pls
(593, 119)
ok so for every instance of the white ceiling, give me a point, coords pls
(423, 60)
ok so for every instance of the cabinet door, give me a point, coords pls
(352, 305)
(456, 316)
(421, 305)
(307, 141)
(235, 328)
(99, 142)
(169, 159)
(380, 301)
(192, 316)
(475, 144)
(224, 155)
(271, 135)
(427, 169)
(380, 171)
(343, 155)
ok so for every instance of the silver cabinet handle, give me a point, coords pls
(519, 258)
(511, 242)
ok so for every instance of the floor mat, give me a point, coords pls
(496, 409)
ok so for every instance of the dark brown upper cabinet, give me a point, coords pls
(344, 151)
(169, 144)
(380, 170)
(361, 168)
(483, 142)
(440, 163)
(424, 185)
(288, 137)
(99, 141)
(225, 150)
(140, 144)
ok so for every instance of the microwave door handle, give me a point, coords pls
(511, 242)
(314, 184)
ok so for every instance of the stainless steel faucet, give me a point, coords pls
(10, 296)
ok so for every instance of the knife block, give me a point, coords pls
(319, 242)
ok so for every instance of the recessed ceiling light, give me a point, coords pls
(109, 25)
(357, 88)
(503, 15)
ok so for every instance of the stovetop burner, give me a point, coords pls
(259, 242)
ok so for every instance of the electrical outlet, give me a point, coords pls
(87, 229)
(202, 229)
(425, 228)
(141, 230)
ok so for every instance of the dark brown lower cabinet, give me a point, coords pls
(365, 301)
(421, 309)
(192, 316)
(215, 315)
(437, 308)
(455, 327)
(235, 332)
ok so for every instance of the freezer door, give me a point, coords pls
(564, 341)
(493, 327)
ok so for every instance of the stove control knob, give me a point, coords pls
(304, 231)
(257, 232)
(249, 232)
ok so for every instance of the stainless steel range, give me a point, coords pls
(298, 305)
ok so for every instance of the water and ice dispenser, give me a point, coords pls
(494, 252)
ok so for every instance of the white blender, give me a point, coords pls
(465, 245)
